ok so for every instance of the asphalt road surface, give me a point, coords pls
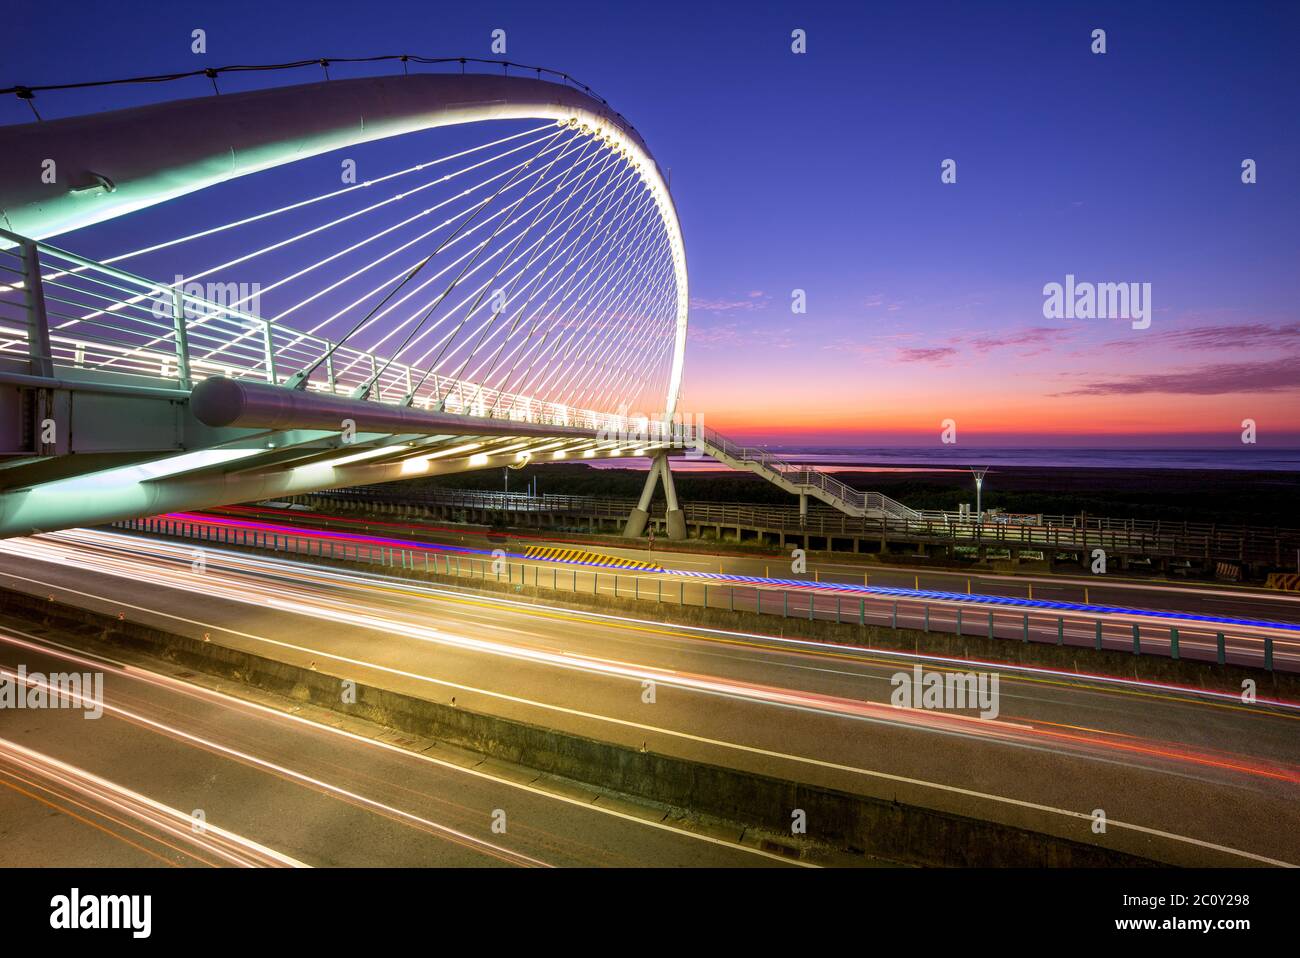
(175, 774)
(1180, 776)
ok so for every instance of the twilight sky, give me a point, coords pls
(821, 172)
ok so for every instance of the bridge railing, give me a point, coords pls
(100, 319)
(811, 477)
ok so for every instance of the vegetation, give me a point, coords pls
(1218, 496)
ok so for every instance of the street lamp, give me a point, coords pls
(979, 472)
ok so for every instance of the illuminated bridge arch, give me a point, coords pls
(528, 297)
(119, 162)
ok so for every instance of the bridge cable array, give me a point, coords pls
(535, 264)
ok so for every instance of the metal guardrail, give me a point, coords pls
(814, 601)
(59, 310)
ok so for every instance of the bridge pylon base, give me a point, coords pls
(676, 519)
(636, 523)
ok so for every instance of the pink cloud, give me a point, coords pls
(1210, 380)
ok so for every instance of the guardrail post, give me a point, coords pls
(894, 621)
(785, 604)
(1268, 652)
(182, 338)
(959, 621)
(1026, 634)
(1060, 630)
(1096, 642)
(1220, 652)
(268, 348)
(862, 612)
(1137, 639)
(329, 365)
(927, 618)
(1173, 642)
(990, 625)
(39, 354)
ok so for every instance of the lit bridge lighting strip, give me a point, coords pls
(981, 599)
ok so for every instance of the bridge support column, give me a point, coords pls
(803, 509)
(676, 519)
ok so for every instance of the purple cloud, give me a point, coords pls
(756, 299)
(1041, 336)
(1211, 380)
(926, 354)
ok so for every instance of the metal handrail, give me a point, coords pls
(120, 331)
(808, 476)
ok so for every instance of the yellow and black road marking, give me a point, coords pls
(583, 557)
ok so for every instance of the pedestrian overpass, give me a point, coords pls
(510, 300)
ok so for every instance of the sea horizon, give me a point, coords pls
(839, 458)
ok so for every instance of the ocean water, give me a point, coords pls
(956, 457)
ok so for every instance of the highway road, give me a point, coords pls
(280, 790)
(1180, 776)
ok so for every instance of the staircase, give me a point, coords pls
(801, 480)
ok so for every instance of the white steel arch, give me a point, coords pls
(114, 163)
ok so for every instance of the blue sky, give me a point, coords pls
(821, 172)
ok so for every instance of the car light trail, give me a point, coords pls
(89, 548)
(119, 544)
(282, 771)
(41, 646)
(314, 605)
(222, 843)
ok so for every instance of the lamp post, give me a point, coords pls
(979, 472)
